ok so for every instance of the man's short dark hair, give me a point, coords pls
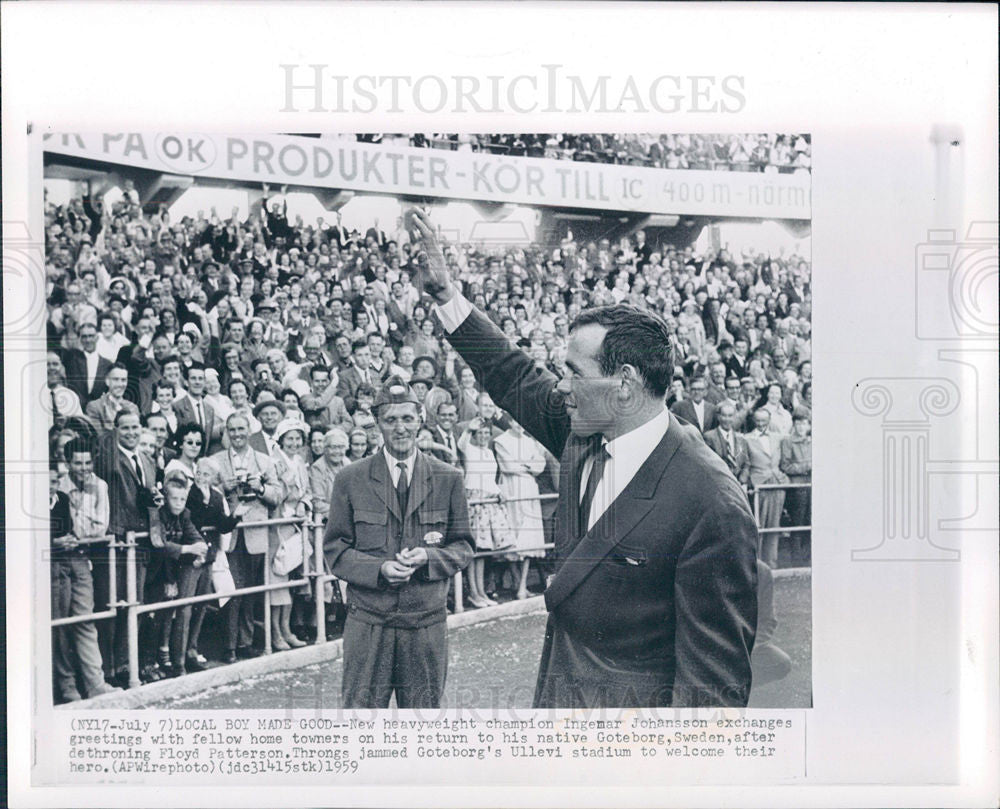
(77, 444)
(359, 344)
(634, 337)
(318, 368)
(125, 411)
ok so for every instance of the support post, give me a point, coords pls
(132, 617)
(319, 584)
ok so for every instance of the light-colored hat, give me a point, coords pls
(286, 426)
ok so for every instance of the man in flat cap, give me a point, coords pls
(397, 531)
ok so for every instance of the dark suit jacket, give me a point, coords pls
(685, 409)
(366, 528)
(656, 604)
(739, 464)
(736, 367)
(184, 410)
(350, 381)
(75, 364)
(128, 507)
(210, 518)
(258, 443)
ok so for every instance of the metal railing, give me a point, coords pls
(113, 603)
(313, 573)
(775, 529)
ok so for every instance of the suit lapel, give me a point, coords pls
(576, 454)
(125, 462)
(382, 485)
(617, 521)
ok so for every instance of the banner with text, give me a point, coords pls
(462, 175)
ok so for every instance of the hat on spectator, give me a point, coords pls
(269, 403)
(395, 391)
(425, 358)
(286, 426)
(267, 304)
(129, 286)
(422, 380)
(191, 328)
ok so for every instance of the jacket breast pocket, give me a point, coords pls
(626, 562)
(432, 525)
(370, 530)
(432, 516)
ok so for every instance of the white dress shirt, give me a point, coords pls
(93, 359)
(394, 462)
(627, 453)
(699, 411)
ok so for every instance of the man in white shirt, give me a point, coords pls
(654, 600)
(85, 367)
(696, 410)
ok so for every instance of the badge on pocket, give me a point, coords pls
(433, 538)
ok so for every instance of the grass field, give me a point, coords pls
(494, 664)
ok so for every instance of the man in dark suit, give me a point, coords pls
(696, 410)
(397, 531)
(359, 373)
(737, 362)
(443, 429)
(728, 444)
(654, 597)
(131, 479)
(86, 369)
(191, 408)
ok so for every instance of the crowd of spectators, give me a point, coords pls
(217, 369)
(783, 153)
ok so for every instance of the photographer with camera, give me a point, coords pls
(251, 486)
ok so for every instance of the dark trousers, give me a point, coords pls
(380, 660)
(248, 571)
(188, 577)
(198, 610)
(798, 504)
(112, 634)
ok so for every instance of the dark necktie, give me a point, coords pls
(55, 407)
(198, 413)
(138, 469)
(402, 489)
(601, 458)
